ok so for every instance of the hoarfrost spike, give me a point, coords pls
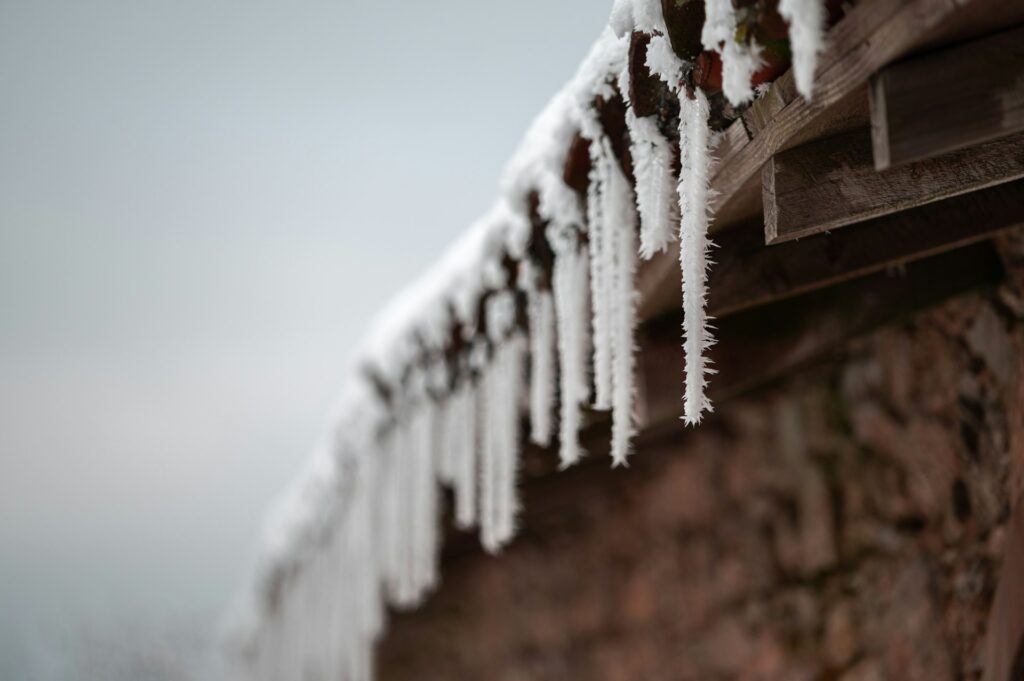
(655, 185)
(571, 290)
(620, 212)
(500, 447)
(541, 311)
(693, 251)
(465, 458)
(601, 255)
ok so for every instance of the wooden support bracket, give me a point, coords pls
(949, 99)
(746, 274)
(830, 183)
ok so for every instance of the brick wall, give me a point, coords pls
(846, 525)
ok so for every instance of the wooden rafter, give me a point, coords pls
(832, 182)
(948, 99)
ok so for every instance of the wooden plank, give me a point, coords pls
(746, 274)
(832, 182)
(1004, 638)
(949, 99)
(769, 342)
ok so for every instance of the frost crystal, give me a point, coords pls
(693, 251)
(571, 289)
(655, 185)
(540, 309)
(612, 215)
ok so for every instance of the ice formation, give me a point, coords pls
(739, 61)
(442, 388)
(806, 20)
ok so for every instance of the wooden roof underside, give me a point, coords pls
(782, 303)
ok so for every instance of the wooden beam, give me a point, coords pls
(949, 99)
(832, 182)
(769, 342)
(746, 274)
(1004, 638)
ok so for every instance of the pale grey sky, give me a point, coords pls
(201, 205)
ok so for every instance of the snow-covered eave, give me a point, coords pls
(451, 300)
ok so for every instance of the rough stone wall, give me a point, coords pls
(846, 525)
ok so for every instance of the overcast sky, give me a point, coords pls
(202, 203)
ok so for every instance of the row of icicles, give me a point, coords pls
(384, 544)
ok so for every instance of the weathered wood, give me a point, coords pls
(948, 99)
(768, 342)
(832, 182)
(746, 274)
(1005, 636)
(872, 34)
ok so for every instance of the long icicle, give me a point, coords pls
(540, 309)
(620, 215)
(694, 251)
(465, 458)
(425, 492)
(499, 401)
(571, 291)
(488, 457)
(600, 275)
(655, 185)
(509, 389)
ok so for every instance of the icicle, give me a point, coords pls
(739, 62)
(502, 386)
(620, 214)
(394, 499)
(409, 455)
(806, 20)
(655, 185)
(509, 391)
(693, 251)
(465, 448)
(652, 166)
(600, 254)
(541, 311)
(424, 500)
(444, 434)
(571, 288)
(361, 550)
(488, 426)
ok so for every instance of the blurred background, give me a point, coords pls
(201, 206)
